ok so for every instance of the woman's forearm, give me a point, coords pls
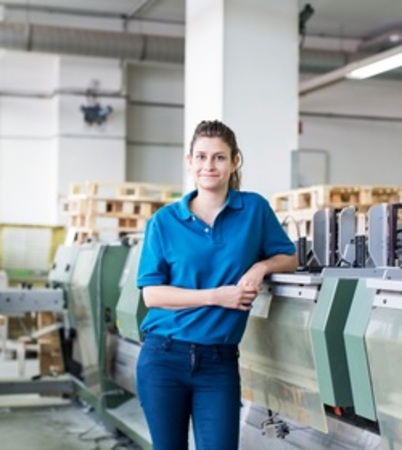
(280, 263)
(175, 297)
(170, 297)
(258, 271)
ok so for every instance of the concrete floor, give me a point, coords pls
(54, 428)
(34, 422)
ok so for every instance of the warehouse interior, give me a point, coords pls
(98, 101)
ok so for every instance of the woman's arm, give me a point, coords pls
(234, 297)
(239, 297)
(258, 271)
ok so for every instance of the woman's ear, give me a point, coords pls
(235, 164)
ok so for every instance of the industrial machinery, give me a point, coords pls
(92, 287)
(104, 311)
(17, 301)
(316, 357)
(123, 348)
(320, 356)
(383, 340)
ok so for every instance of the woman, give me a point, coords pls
(202, 265)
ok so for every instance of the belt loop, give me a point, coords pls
(167, 343)
(219, 352)
(193, 358)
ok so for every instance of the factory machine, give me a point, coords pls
(312, 354)
(324, 354)
(123, 349)
(104, 310)
(320, 357)
(92, 288)
(17, 301)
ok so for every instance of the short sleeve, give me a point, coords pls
(153, 269)
(275, 239)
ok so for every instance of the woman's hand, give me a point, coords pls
(236, 297)
(254, 277)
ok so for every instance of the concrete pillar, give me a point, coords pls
(241, 67)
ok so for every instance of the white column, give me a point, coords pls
(242, 68)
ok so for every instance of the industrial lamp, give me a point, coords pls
(374, 65)
(359, 70)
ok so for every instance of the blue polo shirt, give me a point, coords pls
(181, 250)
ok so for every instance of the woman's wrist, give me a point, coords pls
(210, 297)
(263, 268)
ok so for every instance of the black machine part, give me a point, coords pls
(393, 244)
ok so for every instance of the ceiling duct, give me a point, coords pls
(140, 47)
(321, 61)
(106, 44)
(383, 41)
(127, 46)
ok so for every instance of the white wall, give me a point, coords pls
(28, 186)
(361, 151)
(45, 145)
(28, 129)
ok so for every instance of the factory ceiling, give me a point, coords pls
(334, 32)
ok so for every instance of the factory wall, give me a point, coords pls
(45, 144)
(359, 125)
(28, 128)
(355, 123)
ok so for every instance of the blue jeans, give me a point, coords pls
(177, 380)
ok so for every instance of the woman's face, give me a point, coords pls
(211, 163)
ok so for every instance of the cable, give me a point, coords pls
(296, 224)
(344, 261)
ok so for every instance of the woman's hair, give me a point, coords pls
(215, 128)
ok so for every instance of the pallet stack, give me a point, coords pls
(295, 208)
(123, 208)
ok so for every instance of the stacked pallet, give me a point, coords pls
(295, 208)
(122, 208)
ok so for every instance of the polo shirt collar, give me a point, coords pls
(234, 201)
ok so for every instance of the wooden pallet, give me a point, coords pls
(130, 190)
(130, 204)
(330, 196)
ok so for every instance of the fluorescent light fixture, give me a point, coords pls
(382, 62)
(359, 70)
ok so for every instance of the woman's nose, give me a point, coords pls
(209, 163)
